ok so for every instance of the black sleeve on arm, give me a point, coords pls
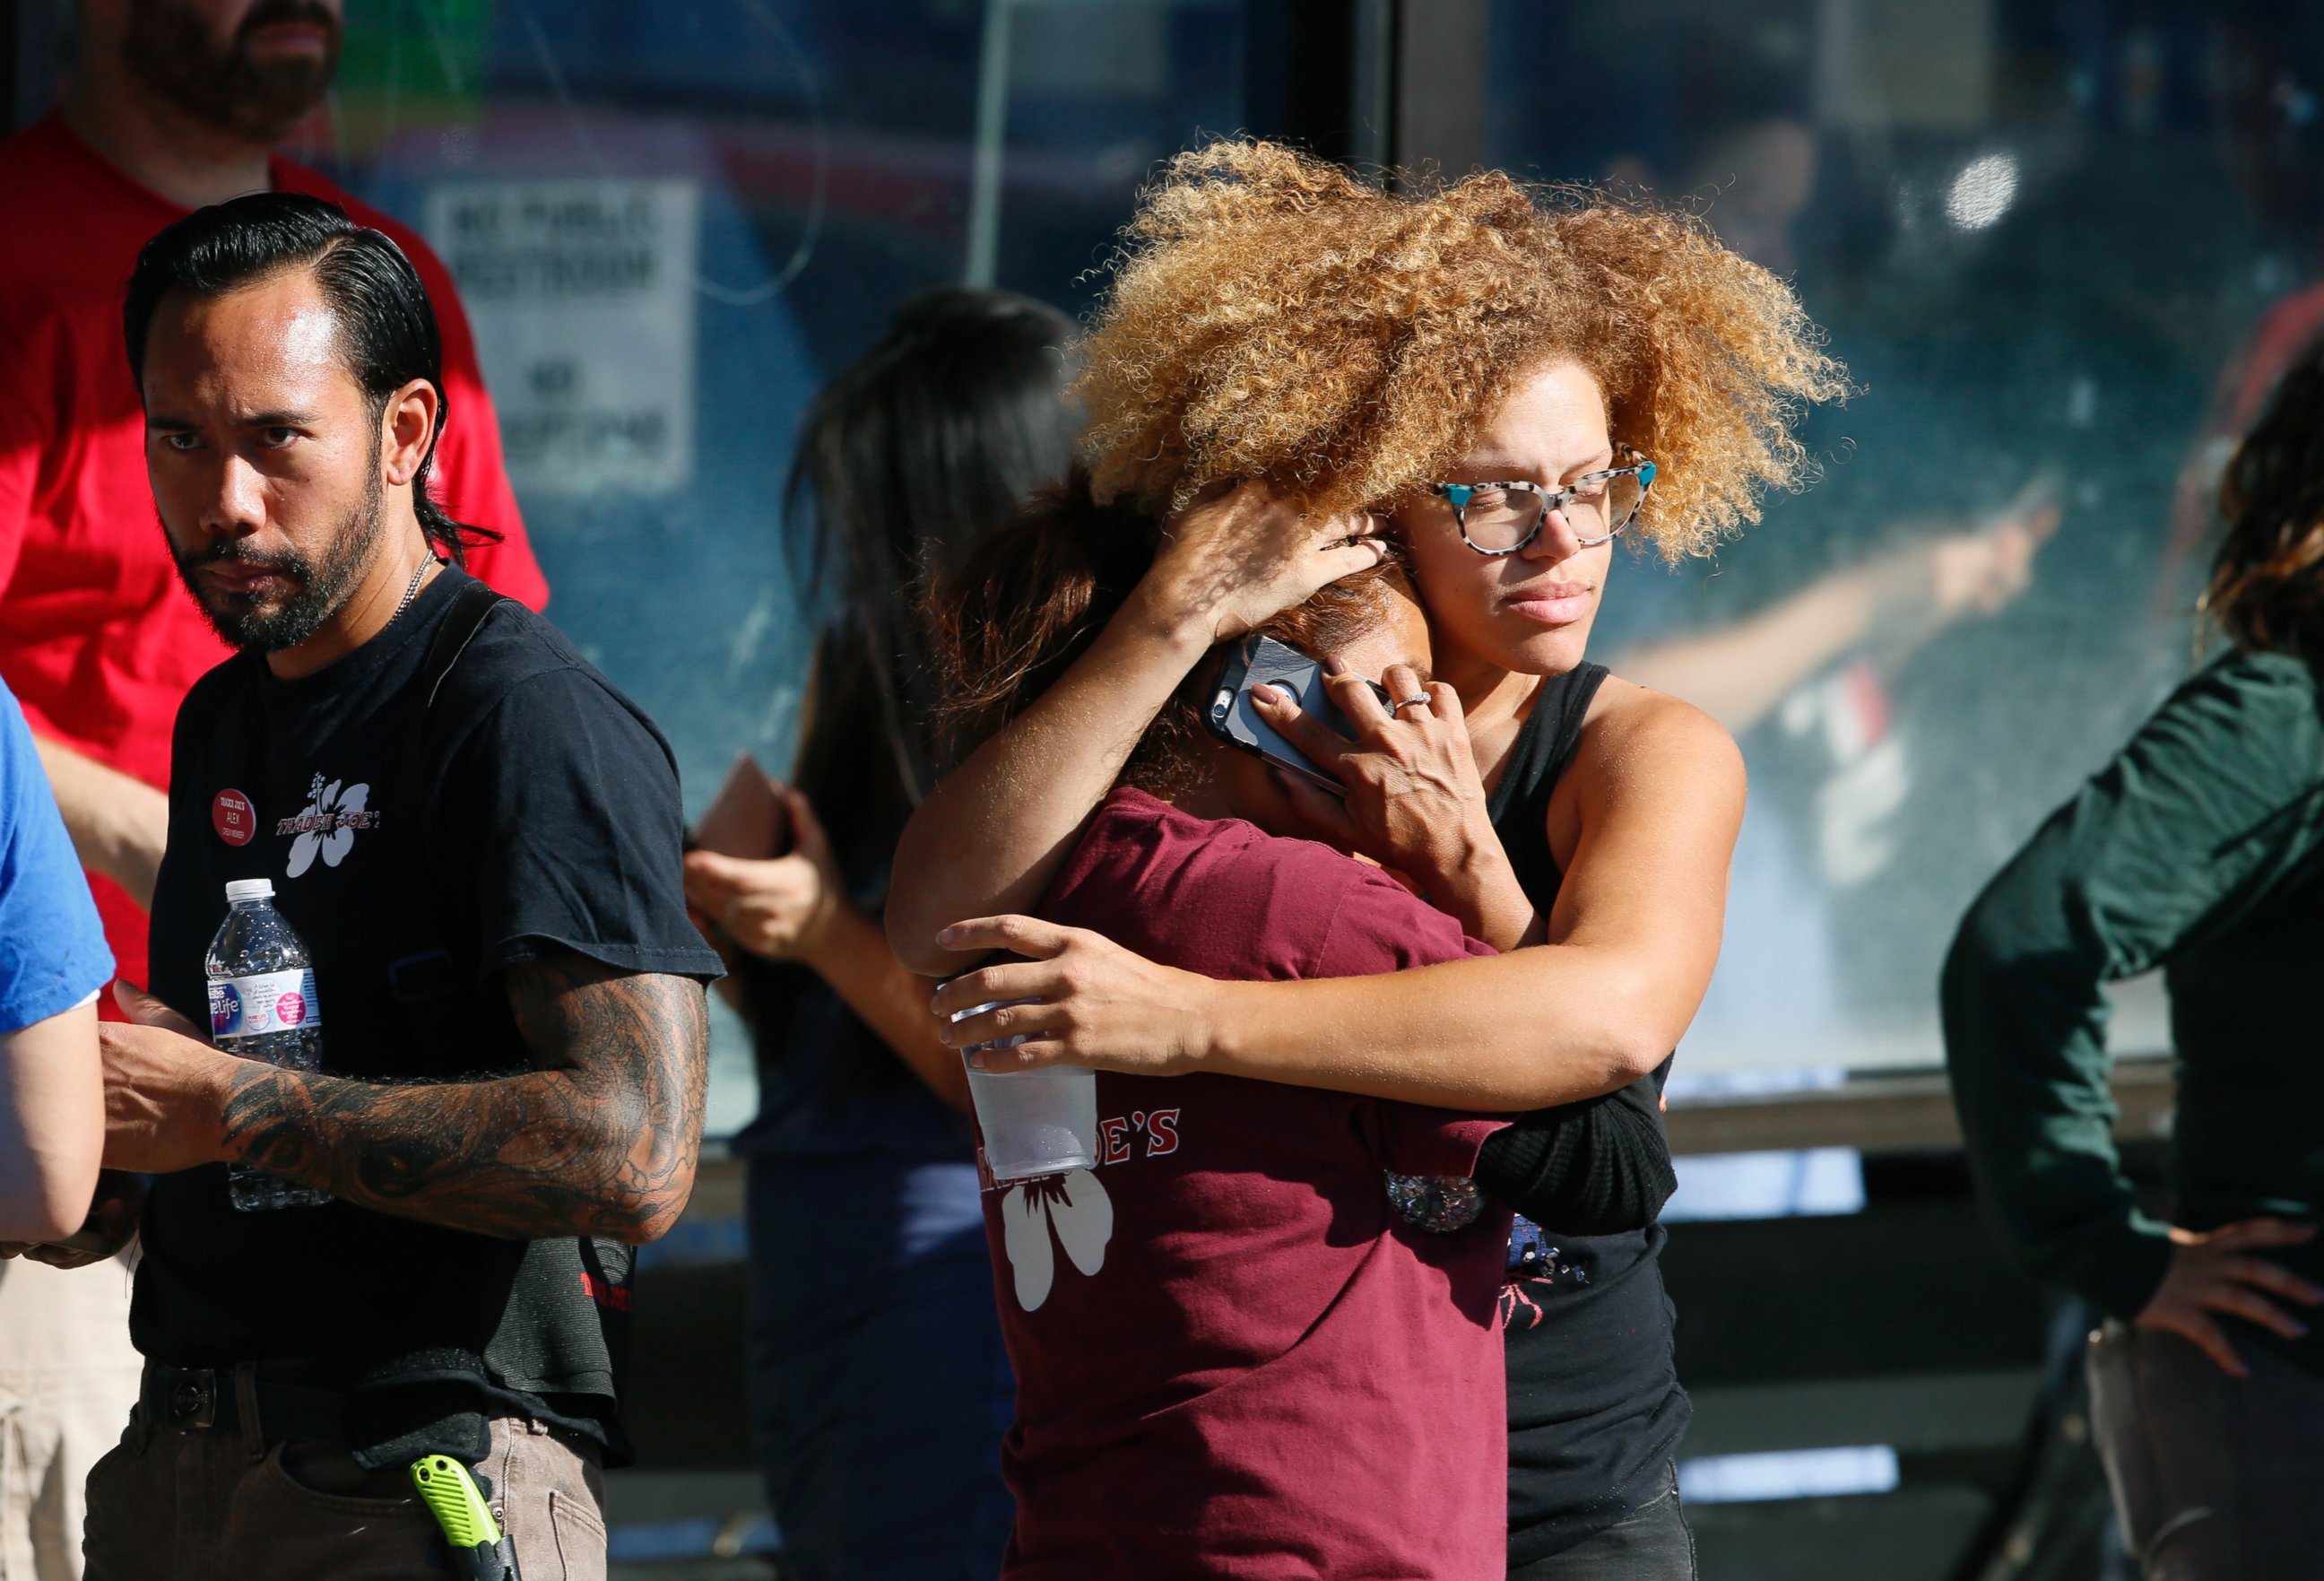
(1596, 1167)
(572, 829)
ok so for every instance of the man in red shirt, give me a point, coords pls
(174, 104)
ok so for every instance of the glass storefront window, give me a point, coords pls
(669, 222)
(2063, 249)
(2061, 245)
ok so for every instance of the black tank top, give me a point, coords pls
(1595, 1406)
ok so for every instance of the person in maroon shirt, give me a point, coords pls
(1233, 1352)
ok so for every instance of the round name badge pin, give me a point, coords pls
(233, 817)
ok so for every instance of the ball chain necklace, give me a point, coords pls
(412, 591)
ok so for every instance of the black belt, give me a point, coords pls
(195, 1398)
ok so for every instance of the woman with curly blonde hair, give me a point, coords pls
(1504, 381)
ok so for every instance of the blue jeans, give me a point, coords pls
(1650, 1543)
(879, 1387)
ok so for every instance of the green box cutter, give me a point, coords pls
(473, 1539)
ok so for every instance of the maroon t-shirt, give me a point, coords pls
(1233, 1357)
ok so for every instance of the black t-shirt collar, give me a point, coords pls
(360, 668)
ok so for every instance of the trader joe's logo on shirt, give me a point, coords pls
(1077, 1208)
(328, 825)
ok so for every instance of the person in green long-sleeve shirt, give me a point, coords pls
(2199, 849)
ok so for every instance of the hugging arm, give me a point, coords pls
(600, 1138)
(1655, 794)
(1414, 802)
(991, 837)
(1594, 1168)
(993, 832)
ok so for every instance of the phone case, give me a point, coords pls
(746, 817)
(1233, 719)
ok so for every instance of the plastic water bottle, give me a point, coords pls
(263, 1006)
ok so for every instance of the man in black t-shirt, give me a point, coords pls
(478, 839)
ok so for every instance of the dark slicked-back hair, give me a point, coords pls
(387, 329)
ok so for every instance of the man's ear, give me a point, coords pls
(407, 429)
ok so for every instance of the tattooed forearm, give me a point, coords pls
(600, 1140)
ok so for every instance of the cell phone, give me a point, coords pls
(745, 819)
(86, 1242)
(1234, 719)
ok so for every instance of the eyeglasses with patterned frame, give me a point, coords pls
(1501, 518)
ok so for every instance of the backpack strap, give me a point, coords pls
(426, 972)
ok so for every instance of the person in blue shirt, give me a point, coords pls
(879, 1387)
(53, 964)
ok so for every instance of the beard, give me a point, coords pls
(170, 49)
(319, 589)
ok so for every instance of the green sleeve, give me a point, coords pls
(2212, 802)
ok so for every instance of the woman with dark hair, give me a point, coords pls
(1288, 356)
(2199, 849)
(879, 1385)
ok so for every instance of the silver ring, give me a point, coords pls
(1419, 697)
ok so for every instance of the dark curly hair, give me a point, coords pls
(2268, 585)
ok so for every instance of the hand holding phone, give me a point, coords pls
(1233, 718)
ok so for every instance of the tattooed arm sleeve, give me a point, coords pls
(599, 1139)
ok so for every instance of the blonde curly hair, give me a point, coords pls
(1274, 317)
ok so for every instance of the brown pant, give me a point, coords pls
(221, 1505)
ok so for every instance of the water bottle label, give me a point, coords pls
(266, 1002)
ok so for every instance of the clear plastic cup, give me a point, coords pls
(1035, 1122)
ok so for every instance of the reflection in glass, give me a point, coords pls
(669, 222)
(2038, 232)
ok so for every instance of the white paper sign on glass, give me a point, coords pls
(581, 290)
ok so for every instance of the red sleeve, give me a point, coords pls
(1381, 926)
(472, 485)
(21, 437)
(1416, 1139)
